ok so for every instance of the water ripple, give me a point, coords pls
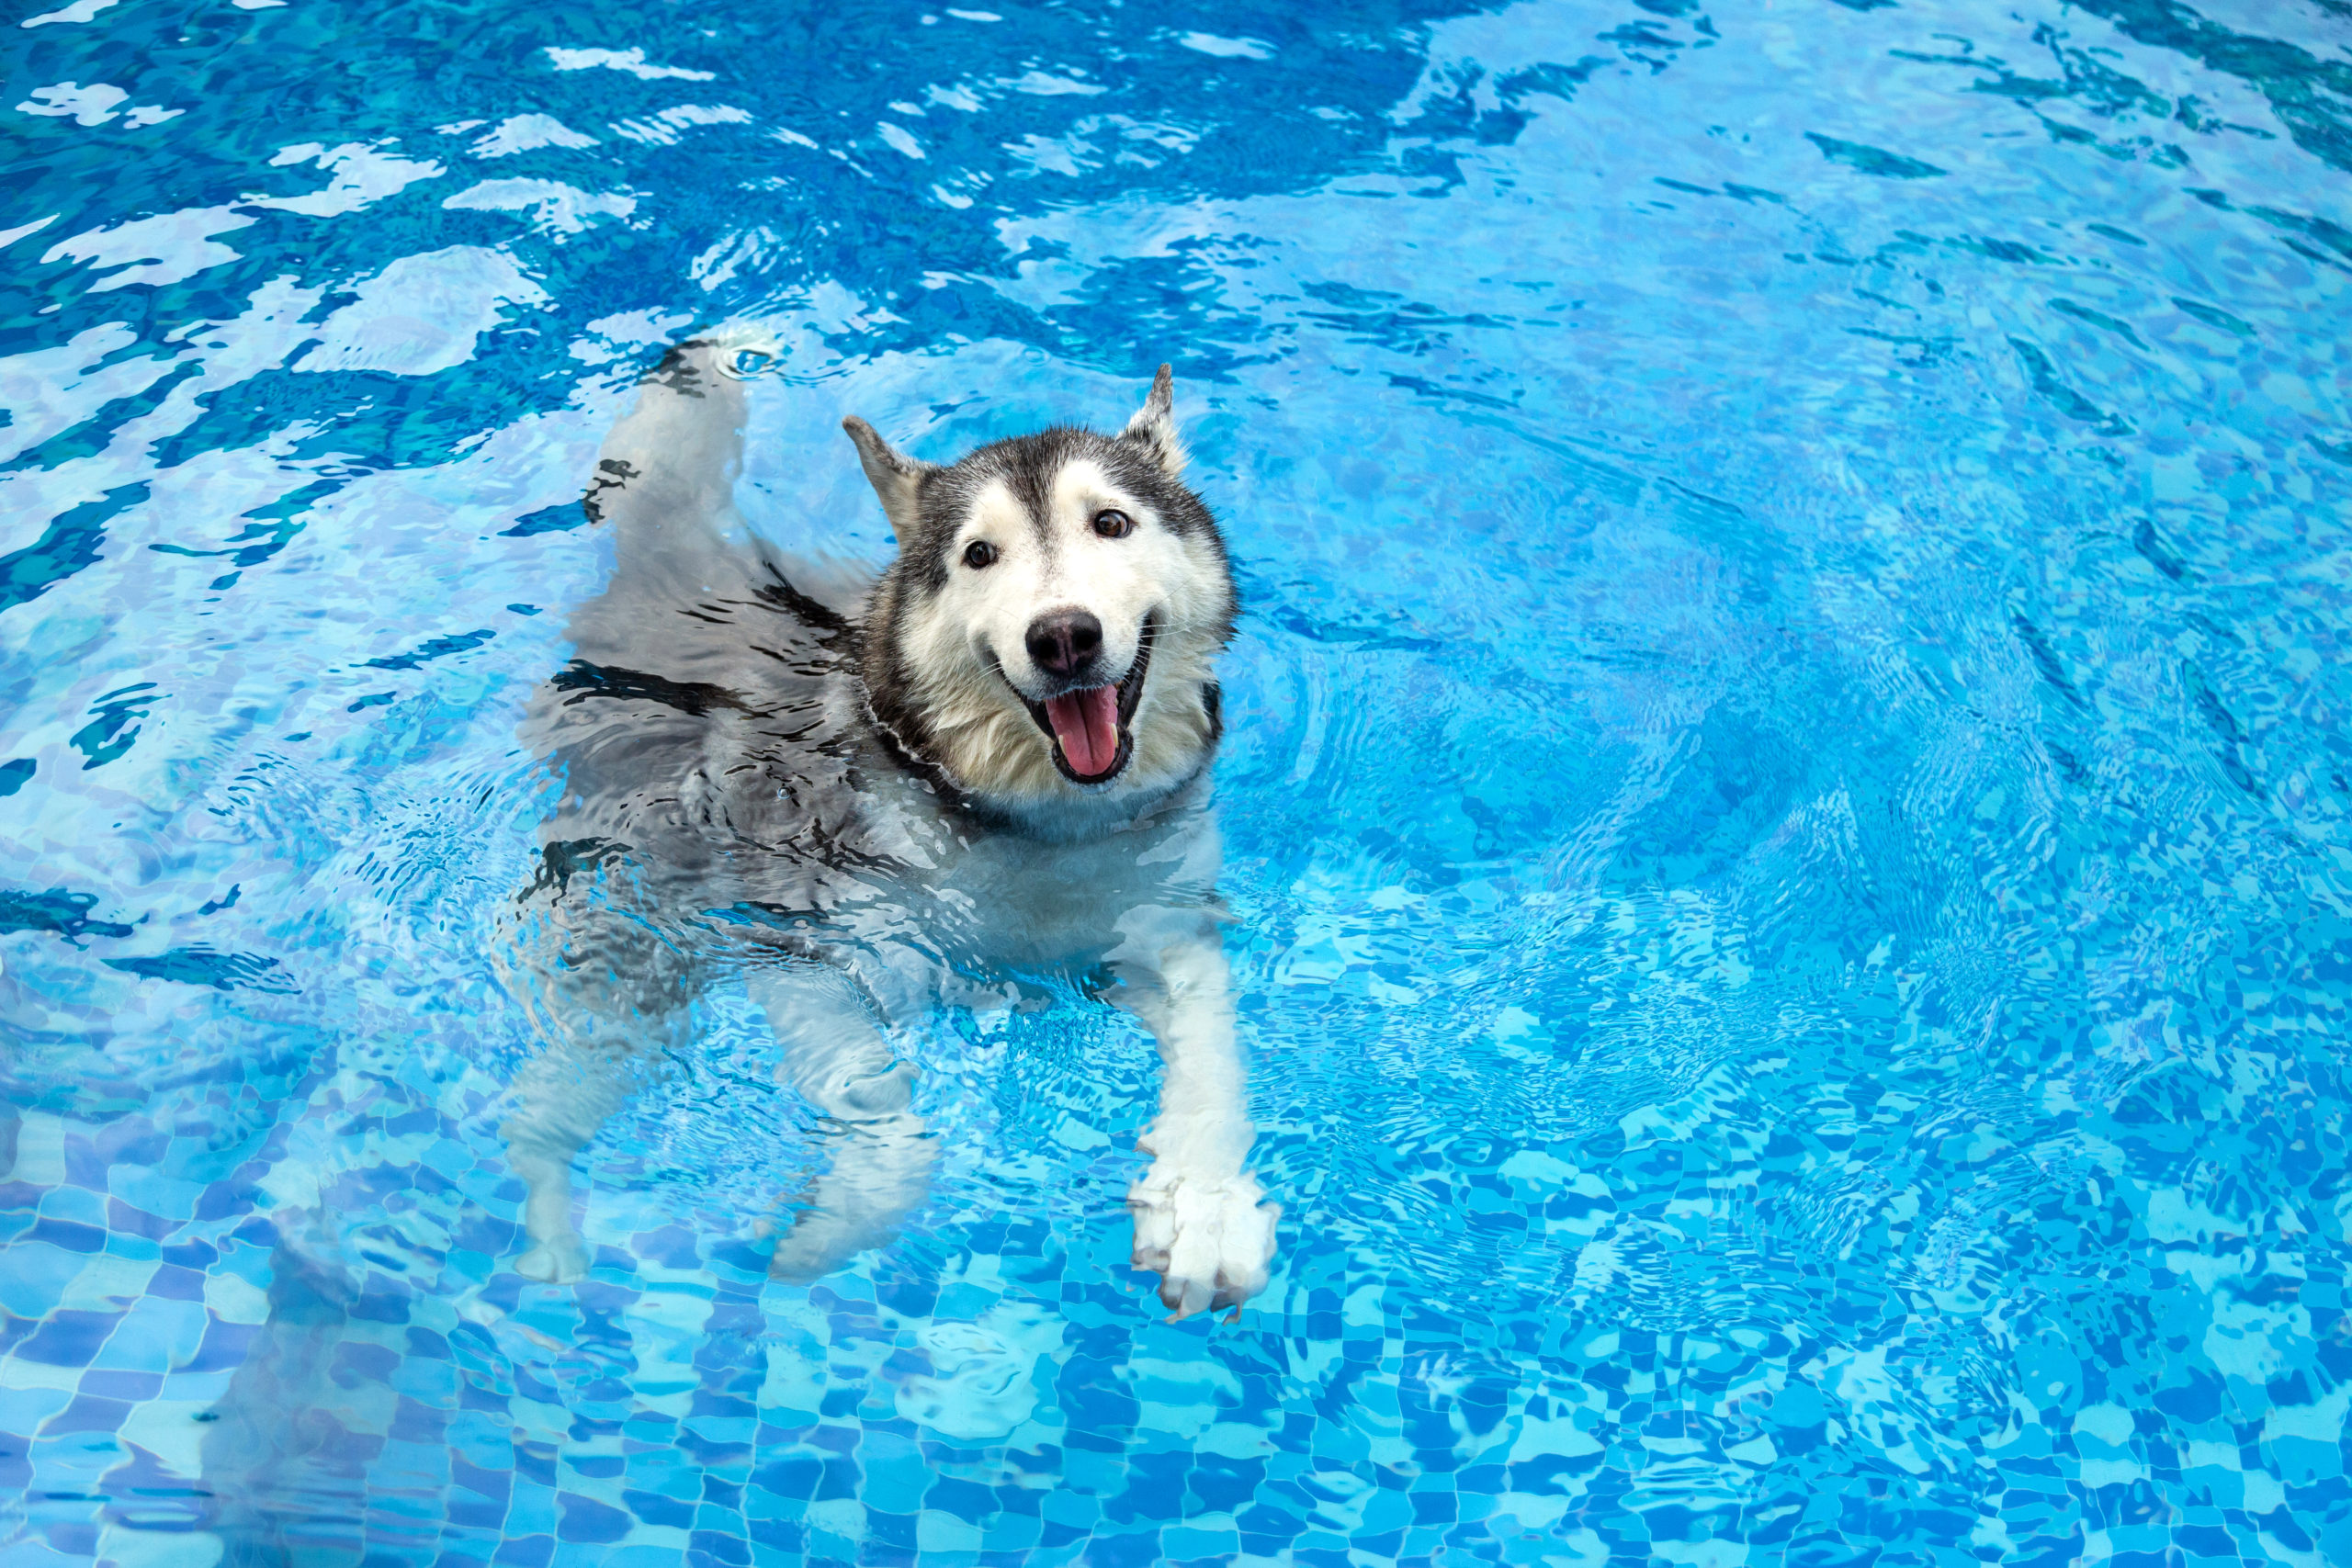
(1786, 804)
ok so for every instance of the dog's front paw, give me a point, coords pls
(1209, 1238)
(559, 1260)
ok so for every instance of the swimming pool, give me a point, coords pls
(1785, 798)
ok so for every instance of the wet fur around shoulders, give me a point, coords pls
(707, 636)
(732, 721)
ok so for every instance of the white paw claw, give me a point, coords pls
(1209, 1238)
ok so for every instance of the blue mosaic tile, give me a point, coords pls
(1784, 800)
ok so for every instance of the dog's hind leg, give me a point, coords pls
(835, 1056)
(563, 1096)
(613, 994)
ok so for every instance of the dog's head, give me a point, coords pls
(1045, 637)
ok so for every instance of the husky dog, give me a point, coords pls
(857, 795)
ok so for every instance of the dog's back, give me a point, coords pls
(704, 729)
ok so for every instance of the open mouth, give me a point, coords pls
(1089, 728)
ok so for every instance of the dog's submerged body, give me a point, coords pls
(859, 794)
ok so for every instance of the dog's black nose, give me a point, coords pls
(1065, 643)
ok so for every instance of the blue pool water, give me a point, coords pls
(1786, 799)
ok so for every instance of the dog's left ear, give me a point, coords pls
(1154, 425)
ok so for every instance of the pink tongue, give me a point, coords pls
(1087, 724)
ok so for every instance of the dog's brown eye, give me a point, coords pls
(1114, 524)
(979, 553)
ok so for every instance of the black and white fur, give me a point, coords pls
(867, 768)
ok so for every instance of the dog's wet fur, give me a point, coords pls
(860, 798)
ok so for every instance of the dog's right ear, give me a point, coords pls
(896, 477)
